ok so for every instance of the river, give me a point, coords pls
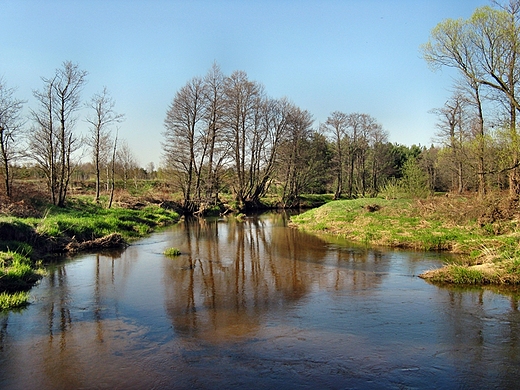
(257, 305)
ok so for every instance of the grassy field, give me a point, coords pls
(484, 232)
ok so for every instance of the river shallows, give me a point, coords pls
(255, 304)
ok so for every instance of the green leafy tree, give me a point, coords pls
(415, 180)
(485, 49)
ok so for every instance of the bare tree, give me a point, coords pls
(356, 140)
(214, 90)
(366, 127)
(126, 161)
(295, 162)
(100, 121)
(53, 141)
(242, 116)
(380, 155)
(265, 146)
(112, 178)
(10, 128)
(453, 134)
(336, 125)
(475, 100)
(184, 147)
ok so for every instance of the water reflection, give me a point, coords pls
(231, 273)
(255, 304)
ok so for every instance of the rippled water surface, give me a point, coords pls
(257, 305)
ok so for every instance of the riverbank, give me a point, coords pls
(483, 232)
(26, 243)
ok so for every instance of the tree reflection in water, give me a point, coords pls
(231, 273)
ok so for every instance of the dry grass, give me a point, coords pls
(463, 210)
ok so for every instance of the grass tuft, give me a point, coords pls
(172, 252)
(13, 300)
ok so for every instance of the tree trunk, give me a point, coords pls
(5, 161)
(460, 182)
(113, 174)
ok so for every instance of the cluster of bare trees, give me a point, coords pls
(52, 141)
(361, 153)
(223, 133)
(478, 126)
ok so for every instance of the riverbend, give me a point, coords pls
(255, 304)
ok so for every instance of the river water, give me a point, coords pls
(257, 305)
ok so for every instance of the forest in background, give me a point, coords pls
(224, 135)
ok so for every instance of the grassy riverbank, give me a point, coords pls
(82, 225)
(484, 232)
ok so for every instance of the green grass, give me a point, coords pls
(85, 220)
(375, 221)
(10, 301)
(17, 272)
(172, 252)
(22, 248)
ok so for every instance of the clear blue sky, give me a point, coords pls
(324, 55)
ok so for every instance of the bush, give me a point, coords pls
(465, 275)
(413, 184)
